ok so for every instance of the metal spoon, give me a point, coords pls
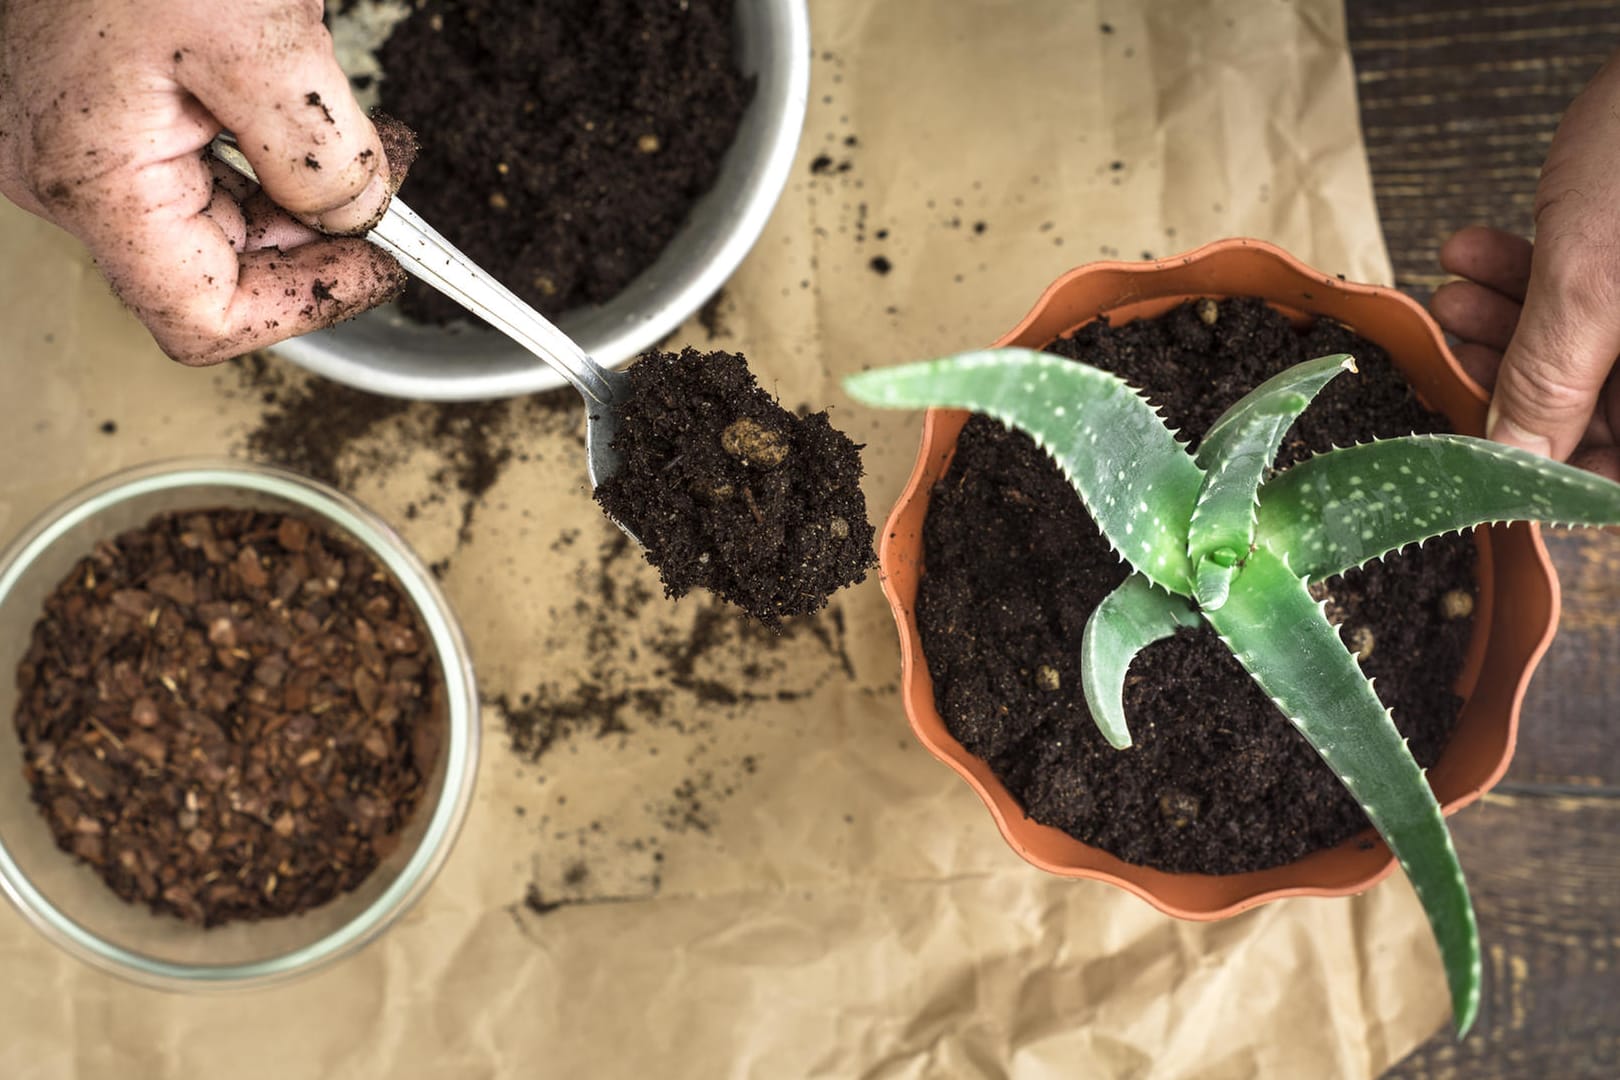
(431, 258)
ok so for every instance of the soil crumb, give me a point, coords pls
(712, 318)
(345, 437)
(675, 693)
(732, 493)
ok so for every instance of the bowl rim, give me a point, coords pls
(462, 739)
(900, 556)
(325, 353)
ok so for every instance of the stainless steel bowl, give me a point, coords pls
(383, 352)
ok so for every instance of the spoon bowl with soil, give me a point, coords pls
(678, 447)
(716, 215)
(244, 726)
(996, 694)
(733, 493)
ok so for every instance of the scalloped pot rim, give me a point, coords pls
(1516, 612)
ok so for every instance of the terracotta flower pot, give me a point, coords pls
(1515, 614)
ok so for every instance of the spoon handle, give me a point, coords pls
(431, 258)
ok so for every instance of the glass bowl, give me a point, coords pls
(64, 898)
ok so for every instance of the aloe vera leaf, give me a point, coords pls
(1284, 639)
(1129, 619)
(1235, 454)
(1136, 481)
(1341, 509)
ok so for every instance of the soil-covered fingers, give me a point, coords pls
(280, 294)
(255, 299)
(226, 214)
(269, 226)
(278, 87)
(1498, 260)
(266, 224)
(172, 255)
(247, 217)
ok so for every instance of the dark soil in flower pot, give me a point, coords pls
(563, 141)
(733, 493)
(1217, 781)
(228, 714)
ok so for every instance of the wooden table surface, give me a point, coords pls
(1458, 103)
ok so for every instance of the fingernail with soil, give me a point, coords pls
(362, 214)
(399, 144)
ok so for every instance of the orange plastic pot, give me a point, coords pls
(1515, 614)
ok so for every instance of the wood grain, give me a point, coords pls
(1545, 894)
(1459, 102)
(1569, 732)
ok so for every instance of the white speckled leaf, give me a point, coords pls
(1129, 619)
(1235, 454)
(1135, 479)
(1283, 638)
(1346, 507)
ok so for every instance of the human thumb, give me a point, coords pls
(1563, 349)
(1568, 334)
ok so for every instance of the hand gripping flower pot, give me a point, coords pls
(1515, 613)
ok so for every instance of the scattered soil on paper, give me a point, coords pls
(655, 680)
(342, 436)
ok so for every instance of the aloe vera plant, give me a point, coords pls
(1218, 539)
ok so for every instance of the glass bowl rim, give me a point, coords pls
(372, 533)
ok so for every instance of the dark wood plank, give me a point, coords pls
(1545, 894)
(1459, 102)
(1570, 726)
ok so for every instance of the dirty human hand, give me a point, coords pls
(106, 107)
(1540, 326)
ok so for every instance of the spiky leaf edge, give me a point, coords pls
(1113, 447)
(1346, 507)
(1283, 638)
(1128, 620)
(1235, 455)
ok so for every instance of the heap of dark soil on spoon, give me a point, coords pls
(564, 140)
(730, 492)
(1217, 781)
